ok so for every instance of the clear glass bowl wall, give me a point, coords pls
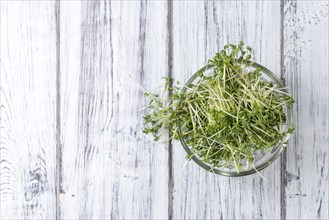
(262, 158)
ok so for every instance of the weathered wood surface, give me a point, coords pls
(28, 110)
(72, 145)
(110, 169)
(306, 51)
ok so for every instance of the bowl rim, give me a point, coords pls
(280, 147)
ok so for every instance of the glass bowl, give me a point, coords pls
(262, 158)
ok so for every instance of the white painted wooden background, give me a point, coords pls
(72, 145)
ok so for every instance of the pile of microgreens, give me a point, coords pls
(225, 117)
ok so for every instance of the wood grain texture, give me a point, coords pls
(306, 49)
(106, 167)
(200, 30)
(28, 105)
(110, 169)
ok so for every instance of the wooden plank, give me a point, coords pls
(28, 110)
(306, 70)
(199, 30)
(110, 168)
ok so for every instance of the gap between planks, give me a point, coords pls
(170, 145)
(58, 172)
(283, 159)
